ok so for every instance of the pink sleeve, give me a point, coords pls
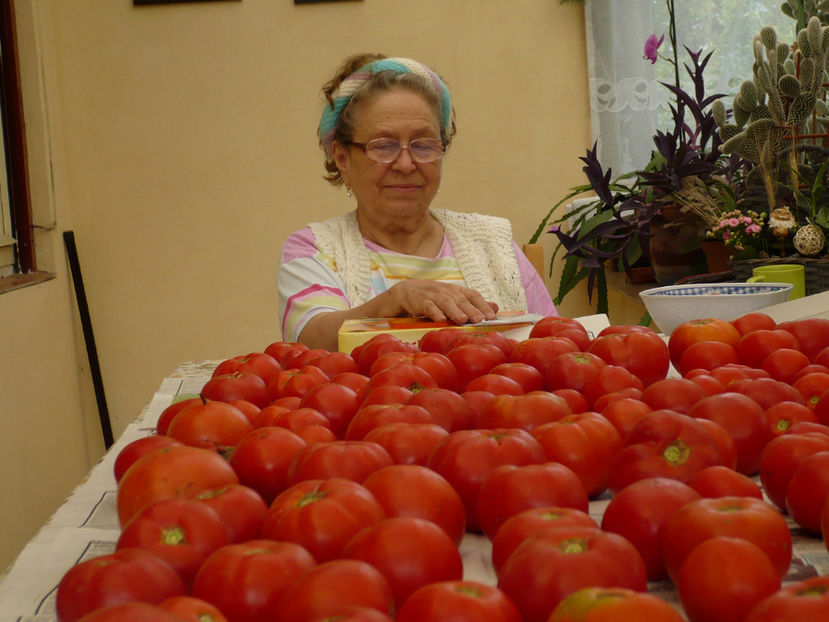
(538, 297)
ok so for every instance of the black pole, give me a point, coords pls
(88, 337)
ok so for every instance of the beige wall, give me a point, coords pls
(178, 142)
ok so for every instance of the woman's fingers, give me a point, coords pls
(439, 301)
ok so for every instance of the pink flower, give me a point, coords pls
(651, 48)
(753, 229)
(733, 222)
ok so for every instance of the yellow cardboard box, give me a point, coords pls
(513, 324)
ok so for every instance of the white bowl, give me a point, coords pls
(673, 305)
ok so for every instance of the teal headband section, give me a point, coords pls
(342, 95)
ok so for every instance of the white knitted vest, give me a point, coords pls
(482, 246)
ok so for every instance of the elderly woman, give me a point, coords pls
(385, 130)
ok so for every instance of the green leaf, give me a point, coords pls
(570, 277)
(601, 293)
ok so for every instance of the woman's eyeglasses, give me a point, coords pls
(385, 150)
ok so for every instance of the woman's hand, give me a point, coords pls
(437, 301)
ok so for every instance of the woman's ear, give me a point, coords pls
(342, 158)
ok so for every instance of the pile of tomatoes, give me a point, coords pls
(304, 485)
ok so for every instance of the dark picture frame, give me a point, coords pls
(146, 2)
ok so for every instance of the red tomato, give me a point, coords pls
(806, 600)
(519, 527)
(754, 321)
(603, 400)
(663, 443)
(821, 409)
(812, 334)
(551, 565)
(387, 394)
(293, 420)
(811, 369)
(448, 409)
(120, 577)
(375, 415)
(707, 355)
(246, 580)
(782, 456)
(476, 400)
(282, 350)
(707, 382)
(458, 600)
(822, 357)
(170, 412)
(336, 401)
(353, 380)
(744, 420)
(259, 363)
(212, 425)
(612, 379)
(239, 385)
(724, 442)
(539, 352)
(729, 373)
(522, 411)
(475, 359)
(337, 508)
(182, 532)
(192, 609)
(435, 364)
(354, 613)
(482, 336)
(639, 513)
(678, 394)
(811, 387)
(402, 374)
(572, 370)
(723, 578)
(785, 363)
(754, 347)
(624, 413)
(555, 326)
(644, 354)
(297, 360)
(525, 375)
(782, 416)
(137, 448)
(721, 481)
(766, 391)
(807, 491)
(241, 509)
(170, 473)
(738, 517)
(466, 457)
(329, 587)
(496, 384)
(262, 458)
(707, 329)
(354, 460)
(613, 604)
(133, 611)
(418, 492)
(409, 552)
(335, 363)
(587, 443)
(438, 340)
(378, 345)
(575, 400)
(508, 490)
(408, 443)
(296, 382)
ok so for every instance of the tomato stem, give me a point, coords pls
(677, 452)
(173, 535)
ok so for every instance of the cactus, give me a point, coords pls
(803, 10)
(777, 102)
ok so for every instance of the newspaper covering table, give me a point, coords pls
(86, 525)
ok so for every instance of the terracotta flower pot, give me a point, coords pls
(717, 255)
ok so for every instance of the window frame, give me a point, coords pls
(19, 215)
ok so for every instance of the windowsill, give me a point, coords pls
(18, 281)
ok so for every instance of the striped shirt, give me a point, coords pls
(308, 282)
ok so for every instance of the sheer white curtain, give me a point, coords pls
(627, 103)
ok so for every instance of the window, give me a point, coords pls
(18, 224)
(627, 102)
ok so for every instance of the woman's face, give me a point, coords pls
(397, 189)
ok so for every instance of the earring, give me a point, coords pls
(348, 191)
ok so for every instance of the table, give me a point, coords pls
(86, 525)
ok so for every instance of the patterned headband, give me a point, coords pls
(343, 93)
